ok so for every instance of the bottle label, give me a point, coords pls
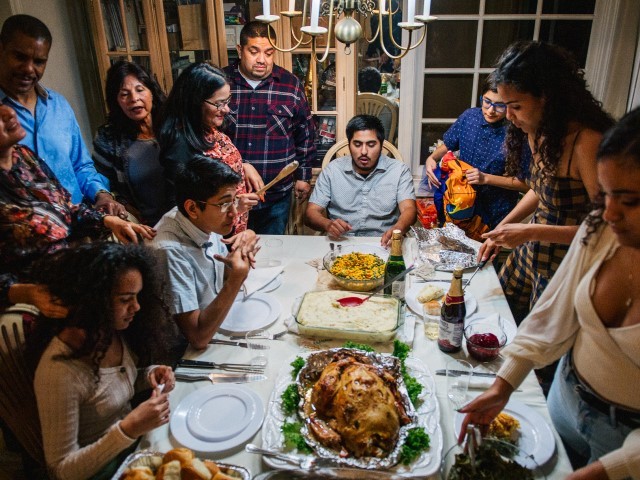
(397, 289)
(450, 334)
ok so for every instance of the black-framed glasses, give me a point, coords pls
(224, 207)
(499, 107)
(219, 105)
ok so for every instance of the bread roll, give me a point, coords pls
(196, 470)
(138, 473)
(222, 476)
(183, 455)
(432, 307)
(169, 471)
(212, 467)
(429, 292)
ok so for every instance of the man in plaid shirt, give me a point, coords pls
(271, 124)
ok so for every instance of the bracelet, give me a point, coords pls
(104, 191)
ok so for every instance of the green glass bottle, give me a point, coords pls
(395, 265)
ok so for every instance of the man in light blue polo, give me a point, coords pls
(366, 193)
(52, 130)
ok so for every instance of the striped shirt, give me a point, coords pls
(272, 126)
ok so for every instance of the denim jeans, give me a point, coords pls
(585, 429)
(272, 218)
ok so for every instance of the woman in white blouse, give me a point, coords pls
(590, 315)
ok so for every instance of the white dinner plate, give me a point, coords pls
(510, 328)
(250, 313)
(219, 413)
(536, 437)
(411, 297)
(272, 285)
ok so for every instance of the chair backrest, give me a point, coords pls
(383, 108)
(341, 149)
(18, 407)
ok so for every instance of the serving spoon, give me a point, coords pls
(357, 301)
(285, 172)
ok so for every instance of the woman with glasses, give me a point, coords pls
(191, 123)
(479, 135)
(551, 111)
(125, 149)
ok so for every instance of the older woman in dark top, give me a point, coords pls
(37, 217)
(125, 148)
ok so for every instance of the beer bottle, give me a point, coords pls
(395, 265)
(452, 316)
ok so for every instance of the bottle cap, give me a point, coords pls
(396, 234)
(457, 271)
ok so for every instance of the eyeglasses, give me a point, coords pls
(499, 107)
(224, 207)
(219, 105)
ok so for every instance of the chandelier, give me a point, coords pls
(347, 29)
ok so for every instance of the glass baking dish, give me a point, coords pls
(376, 320)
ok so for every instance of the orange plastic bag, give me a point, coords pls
(460, 197)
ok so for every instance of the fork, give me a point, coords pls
(232, 367)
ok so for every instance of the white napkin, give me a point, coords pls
(260, 277)
(480, 383)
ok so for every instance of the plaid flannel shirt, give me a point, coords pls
(272, 126)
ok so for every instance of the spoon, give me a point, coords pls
(285, 172)
(480, 265)
(357, 301)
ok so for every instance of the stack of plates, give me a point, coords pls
(217, 418)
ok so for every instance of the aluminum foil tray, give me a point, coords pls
(153, 459)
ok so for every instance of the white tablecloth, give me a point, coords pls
(298, 278)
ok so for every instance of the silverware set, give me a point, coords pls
(230, 367)
(221, 377)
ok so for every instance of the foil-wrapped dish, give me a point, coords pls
(148, 462)
(446, 247)
(355, 411)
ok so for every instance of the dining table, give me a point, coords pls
(302, 266)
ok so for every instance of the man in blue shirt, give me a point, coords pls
(52, 130)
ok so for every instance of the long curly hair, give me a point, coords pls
(621, 144)
(550, 72)
(121, 124)
(85, 279)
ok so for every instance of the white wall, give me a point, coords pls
(62, 73)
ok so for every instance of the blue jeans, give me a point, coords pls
(272, 218)
(586, 430)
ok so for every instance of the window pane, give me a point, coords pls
(571, 34)
(499, 34)
(446, 96)
(431, 133)
(510, 6)
(568, 6)
(451, 44)
(459, 7)
(144, 62)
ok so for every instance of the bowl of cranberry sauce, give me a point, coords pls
(484, 341)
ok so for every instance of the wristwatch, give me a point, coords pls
(104, 191)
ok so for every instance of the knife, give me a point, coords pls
(221, 377)
(462, 372)
(275, 336)
(219, 341)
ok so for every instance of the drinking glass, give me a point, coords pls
(271, 253)
(458, 374)
(259, 344)
(431, 324)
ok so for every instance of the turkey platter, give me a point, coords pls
(355, 406)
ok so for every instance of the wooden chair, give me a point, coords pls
(341, 149)
(18, 407)
(383, 108)
(295, 223)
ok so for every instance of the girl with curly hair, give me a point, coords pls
(549, 107)
(87, 375)
(590, 316)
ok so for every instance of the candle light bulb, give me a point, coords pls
(426, 11)
(315, 13)
(292, 5)
(266, 8)
(411, 13)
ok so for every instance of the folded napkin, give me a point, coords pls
(259, 277)
(480, 383)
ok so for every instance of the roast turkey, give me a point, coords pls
(356, 409)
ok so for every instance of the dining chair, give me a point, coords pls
(341, 148)
(18, 408)
(295, 223)
(381, 107)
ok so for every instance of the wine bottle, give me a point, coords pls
(452, 316)
(395, 265)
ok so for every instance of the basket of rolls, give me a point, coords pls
(176, 464)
